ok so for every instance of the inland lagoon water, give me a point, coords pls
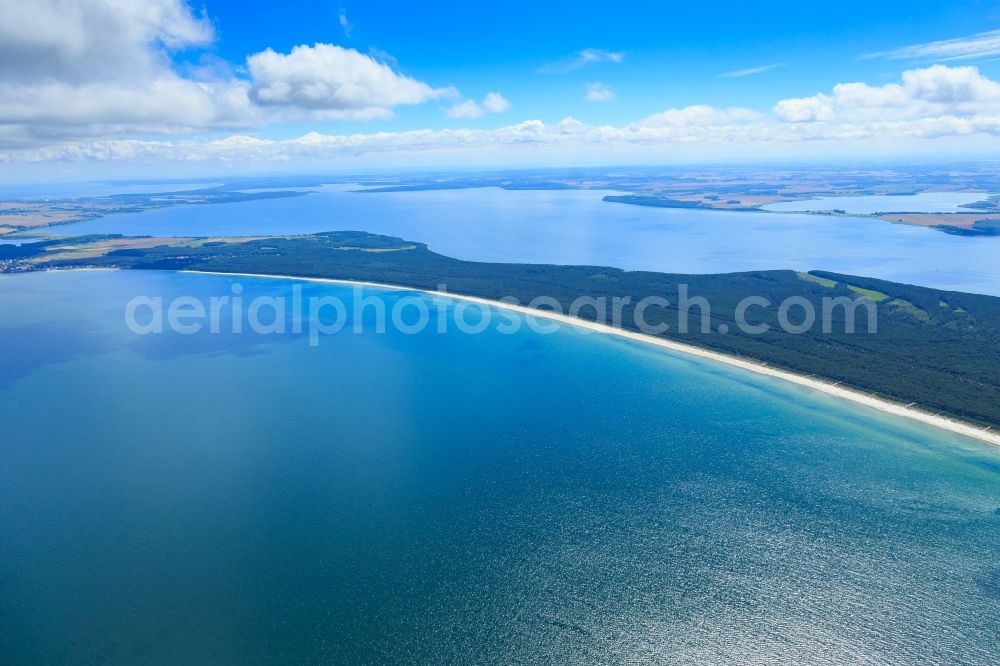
(577, 227)
(922, 202)
(456, 498)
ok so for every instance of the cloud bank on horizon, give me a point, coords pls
(92, 80)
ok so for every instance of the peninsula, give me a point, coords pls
(933, 349)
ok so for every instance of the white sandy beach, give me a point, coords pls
(905, 411)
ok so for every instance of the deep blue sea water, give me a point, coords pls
(577, 227)
(454, 498)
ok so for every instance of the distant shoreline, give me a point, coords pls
(952, 425)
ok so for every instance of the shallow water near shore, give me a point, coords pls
(436, 498)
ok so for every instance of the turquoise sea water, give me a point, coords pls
(577, 227)
(454, 498)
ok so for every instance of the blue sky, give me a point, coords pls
(674, 53)
(179, 85)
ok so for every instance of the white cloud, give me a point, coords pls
(330, 78)
(691, 131)
(699, 115)
(494, 102)
(103, 68)
(42, 123)
(164, 104)
(345, 24)
(75, 41)
(818, 108)
(981, 45)
(599, 92)
(582, 59)
(469, 109)
(750, 71)
(382, 56)
(97, 68)
(931, 92)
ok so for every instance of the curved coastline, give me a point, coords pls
(834, 389)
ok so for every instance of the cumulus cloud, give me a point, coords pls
(469, 109)
(75, 41)
(599, 92)
(162, 105)
(698, 115)
(72, 116)
(931, 92)
(494, 102)
(582, 59)
(695, 129)
(330, 78)
(100, 68)
(981, 45)
(818, 108)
